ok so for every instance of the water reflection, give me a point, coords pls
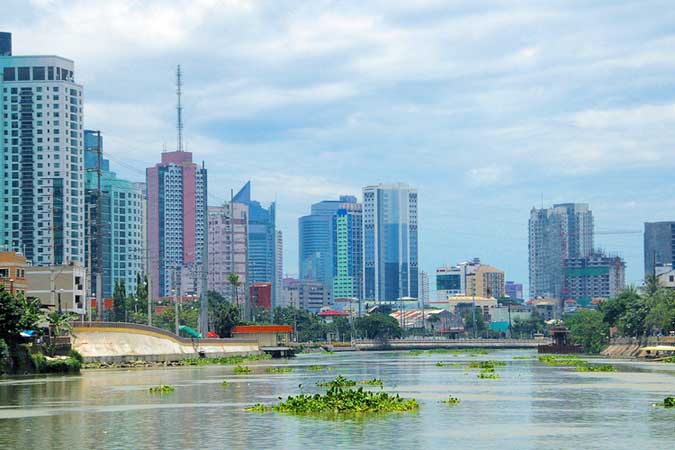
(532, 406)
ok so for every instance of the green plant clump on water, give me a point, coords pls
(338, 382)
(373, 382)
(668, 402)
(339, 401)
(440, 364)
(562, 360)
(488, 374)
(224, 383)
(242, 370)
(416, 352)
(317, 368)
(451, 401)
(279, 370)
(596, 368)
(523, 357)
(162, 389)
(491, 364)
(225, 360)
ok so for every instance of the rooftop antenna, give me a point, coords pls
(179, 109)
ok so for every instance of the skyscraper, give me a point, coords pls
(659, 245)
(330, 245)
(41, 146)
(555, 234)
(390, 242)
(121, 238)
(423, 288)
(278, 265)
(177, 192)
(347, 244)
(261, 239)
(228, 248)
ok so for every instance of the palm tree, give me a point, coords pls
(60, 323)
(233, 279)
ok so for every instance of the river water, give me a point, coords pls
(532, 406)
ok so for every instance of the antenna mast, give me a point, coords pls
(179, 109)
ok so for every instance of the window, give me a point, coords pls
(50, 73)
(4, 273)
(24, 74)
(38, 73)
(9, 74)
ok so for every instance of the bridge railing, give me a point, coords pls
(168, 334)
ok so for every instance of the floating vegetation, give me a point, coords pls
(562, 360)
(451, 401)
(440, 364)
(224, 383)
(668, 402)
(416, 352)
(162, 389)
(490, 364)
(488, 374)
(338, 382)
(242, 370)
(596, 368)
(670, 359)
(339, 401)
(225, 360)
(523, 357)
(279, 370)
(373, 382)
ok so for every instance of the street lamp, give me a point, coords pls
(11, 286)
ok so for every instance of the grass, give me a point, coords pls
(162, 389)
(451, 401)
(242, 370)
(279, 370)
(340, 401)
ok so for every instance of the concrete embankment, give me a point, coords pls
(106, 342)
(634, 348)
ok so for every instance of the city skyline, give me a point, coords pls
(530, 141)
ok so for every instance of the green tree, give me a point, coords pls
(119, 302)
(187, 315)
(468, 318)
(60, 324)
(588, 329)
(235, 283)
(378, 326)
(651, 285)
(17, 313)
(223, 315)
(615, 308)
(661, 311)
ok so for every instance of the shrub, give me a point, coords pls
(76, 355)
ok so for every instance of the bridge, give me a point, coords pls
(123, 342)
(430, 344)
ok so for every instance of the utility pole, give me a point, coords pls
(100, 302)
(149, 288)
(175, 297)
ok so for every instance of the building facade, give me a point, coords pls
(228, 249)
(60, 287)
(486, 281)
(556, 234)
(424, 288)
(596, 276)
(122, 237)
(453, 280)
(278, 265)
(177, 193)
(261, 239)
(13, 272)
(659, 245)
(390, 242)
(513, 290)
(347, 243)
(41, 149)
(306, 294)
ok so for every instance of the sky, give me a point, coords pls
(487, 108)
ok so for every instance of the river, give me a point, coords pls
(532, 406)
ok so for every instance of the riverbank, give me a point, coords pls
(21, 359)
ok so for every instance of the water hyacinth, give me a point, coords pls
(596, 368)
(373, 382)
(341, 401)
(242, 370)
(162, 389)
(279, 370)
(339, 381)
(451, 401)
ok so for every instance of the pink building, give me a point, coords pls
(228, 248)
(176, 220)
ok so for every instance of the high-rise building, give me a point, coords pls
(121, 236)
(594, 276)
(228, 248)
(513, 290)
(659, 246)
(423, 288)
(469, 278)
(261, 239)
(306, 294)
(485, 281)
(41, 149)
(347, 244)
(390, 239)
(177, 193)
(278, 265)
(556, 234)
(5, 44)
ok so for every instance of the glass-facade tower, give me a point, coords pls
(390, 242)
